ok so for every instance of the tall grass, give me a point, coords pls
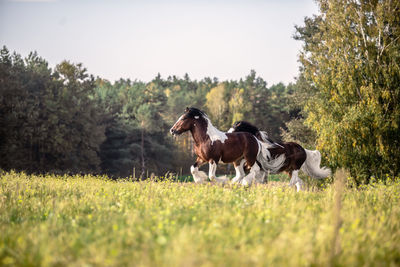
(85, 220)
(337, 220)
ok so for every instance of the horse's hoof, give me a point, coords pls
(245, 183)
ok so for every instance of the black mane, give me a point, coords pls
(244, 126)
(192, 112)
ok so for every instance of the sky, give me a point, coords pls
(138, 39)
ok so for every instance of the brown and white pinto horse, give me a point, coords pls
(296, 157)
(213, 146)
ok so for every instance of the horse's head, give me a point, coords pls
(243, 126)
(234, 127)
(186, 121)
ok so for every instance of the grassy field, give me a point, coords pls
(84, 221)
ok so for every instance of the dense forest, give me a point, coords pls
(66, 120)
(345, 102)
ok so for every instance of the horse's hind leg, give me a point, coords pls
(248, 179)
(261, 177)
(296, 180)
(289, 173)
(239, 171)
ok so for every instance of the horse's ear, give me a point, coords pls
(187, 109)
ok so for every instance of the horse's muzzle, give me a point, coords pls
(173, 132)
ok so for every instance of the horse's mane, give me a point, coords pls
(196, 112)
(245, 126)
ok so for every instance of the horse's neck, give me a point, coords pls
(214, 134)
(199, 133)
(204, 131)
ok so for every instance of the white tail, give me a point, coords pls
(267, 162)
(311, 165)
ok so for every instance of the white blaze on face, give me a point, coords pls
(230, 130)
(181, 117)
(214, 133)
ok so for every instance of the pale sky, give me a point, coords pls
(138, 39)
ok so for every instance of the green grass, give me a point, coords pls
(271, 177)
(83, 220)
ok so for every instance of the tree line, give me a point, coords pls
(345, 102)
(65, 120)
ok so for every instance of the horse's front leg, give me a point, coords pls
(239, 171)
(198, 176)
(212, 170)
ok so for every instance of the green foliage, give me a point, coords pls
(351, 61)
(217, 105)
(238, 105)
(135, 134)
(48, 120)
(298, 132)
(83, 220)
(65, 120)
(78, 118)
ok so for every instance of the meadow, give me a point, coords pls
(93, 221)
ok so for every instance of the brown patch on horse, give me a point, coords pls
(294, 153)
(234, 148)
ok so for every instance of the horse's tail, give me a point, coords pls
(311, 165)
(266, 161)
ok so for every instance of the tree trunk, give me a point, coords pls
(142, 153)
